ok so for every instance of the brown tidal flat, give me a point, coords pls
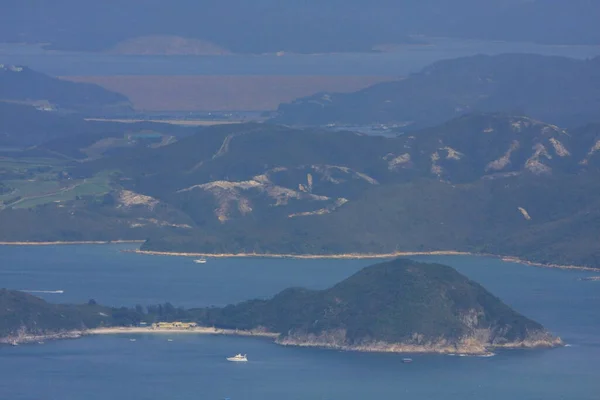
(223, 92)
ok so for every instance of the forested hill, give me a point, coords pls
(392, 305)
(557, 90)
(399, 305)
(24, 314)
(486, 183)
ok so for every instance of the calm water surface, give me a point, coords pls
(194, 366)
(404, 60)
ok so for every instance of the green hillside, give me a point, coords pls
(425, 307)
(492, 183)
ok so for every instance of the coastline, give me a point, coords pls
(469, 347)
(359, 256)
(58, 243)
(24, 338)
(200, 330)
(476, 344)
(339, 256)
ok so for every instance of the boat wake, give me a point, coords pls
(44, 291)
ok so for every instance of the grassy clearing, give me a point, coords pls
(95, 186)
(25, 164)
(26, 188)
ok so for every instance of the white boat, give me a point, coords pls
(200, 261)
(238, 358)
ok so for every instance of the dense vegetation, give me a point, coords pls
(488, 183)
(21, 311)
(389, 302)
(554, 89)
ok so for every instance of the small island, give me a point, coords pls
(398, 306)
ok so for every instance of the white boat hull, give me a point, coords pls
(237, 359)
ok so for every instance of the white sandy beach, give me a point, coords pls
(200, 330)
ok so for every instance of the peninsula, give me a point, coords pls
(399, 306)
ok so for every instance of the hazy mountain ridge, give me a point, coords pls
(558, 90)
(22, 84)
(308, 27)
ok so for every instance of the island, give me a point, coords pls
(399, 306)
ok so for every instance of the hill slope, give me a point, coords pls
(492, 183)
(23, 315)
(400, 306)
(554, 89)
(24, 85)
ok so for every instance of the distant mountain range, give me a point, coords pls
(486, 183)
(558, 90)
(22, 85)
(37, 109)
(310, 26)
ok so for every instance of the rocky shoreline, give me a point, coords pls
(472, 346)
(467, 346)
(24, 337)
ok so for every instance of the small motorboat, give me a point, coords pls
(407, 360)
(238, 358)
(200, 261)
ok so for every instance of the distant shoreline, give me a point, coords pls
(58, 243)
(343, 256)
(360, 256)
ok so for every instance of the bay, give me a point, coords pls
(194, 366)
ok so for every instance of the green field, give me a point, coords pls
(37, 181)
(97, 185)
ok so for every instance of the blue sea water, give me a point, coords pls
(194, 366)
(405, 60)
